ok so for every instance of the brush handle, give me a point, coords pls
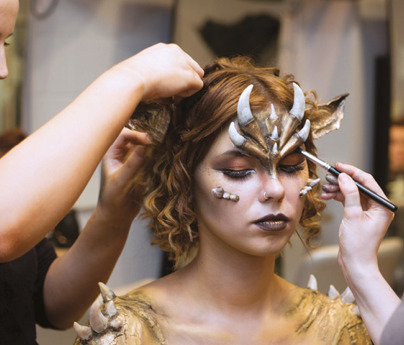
(376, 197)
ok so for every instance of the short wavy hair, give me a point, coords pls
(195, 124)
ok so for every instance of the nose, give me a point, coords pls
(272, 190)
(3, 64)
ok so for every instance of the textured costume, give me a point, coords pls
(21, 295)
(313, 318)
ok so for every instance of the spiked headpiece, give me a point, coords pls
(271, 137)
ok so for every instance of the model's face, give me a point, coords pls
(8, 16)
(256, 224)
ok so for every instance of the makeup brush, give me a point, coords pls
(334, 171)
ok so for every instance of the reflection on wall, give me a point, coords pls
(254, 35)
(209, 29)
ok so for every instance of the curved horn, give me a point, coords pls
(106, 293)
(110, 309)
(305, 131)
(236, 138)
(98, 321)
(83, 332)
(299, 102)
(244, 114)
(312, 283)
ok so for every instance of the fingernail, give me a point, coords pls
(331, 178)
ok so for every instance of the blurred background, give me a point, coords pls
(331, 46)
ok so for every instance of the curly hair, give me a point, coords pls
(196, 122)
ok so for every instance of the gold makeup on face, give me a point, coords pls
(269, 137)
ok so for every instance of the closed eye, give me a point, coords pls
(291, 169)
(238, 174)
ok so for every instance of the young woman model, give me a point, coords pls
(76, 139)
(228, 184)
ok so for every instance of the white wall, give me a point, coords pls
(66, 52)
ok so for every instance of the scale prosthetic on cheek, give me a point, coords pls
(270, 137)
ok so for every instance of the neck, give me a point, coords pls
(234, 281)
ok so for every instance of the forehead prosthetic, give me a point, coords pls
(270, 137)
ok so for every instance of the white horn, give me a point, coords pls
(83, 332)
(244, 113)
(347, 296)
(333, 292)
(273, 115)
(312, 283)
(299, 102)
(312, 183)
(111, 310)
(106, 293)
(274, 135)
(305, 131)
(236, 138)
(98, 321)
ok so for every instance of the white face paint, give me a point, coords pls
(255, 224)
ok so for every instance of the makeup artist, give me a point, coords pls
(76, 139)
(362, 229)
(41, 178)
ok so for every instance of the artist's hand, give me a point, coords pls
(166, 72)
(119, 196)
(365, 221)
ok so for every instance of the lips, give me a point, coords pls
(272, 222)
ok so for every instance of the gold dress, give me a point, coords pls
(310, 318)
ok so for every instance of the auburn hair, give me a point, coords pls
(195, 124)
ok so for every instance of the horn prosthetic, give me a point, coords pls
(269, 137)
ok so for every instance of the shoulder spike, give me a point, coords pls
(83, 332)
(106, 293)
(347, 296)
(111, 310)
(98, 321)
(116, 324)
(333, 292)
(299, 102)
(312, 283)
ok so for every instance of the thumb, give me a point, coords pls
(133, 162)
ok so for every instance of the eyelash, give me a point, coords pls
(6, 44)
(245, 173)
(238, 174)
(291, 169)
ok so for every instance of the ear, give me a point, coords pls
(330, 118)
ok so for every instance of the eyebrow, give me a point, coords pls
(233, 153)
